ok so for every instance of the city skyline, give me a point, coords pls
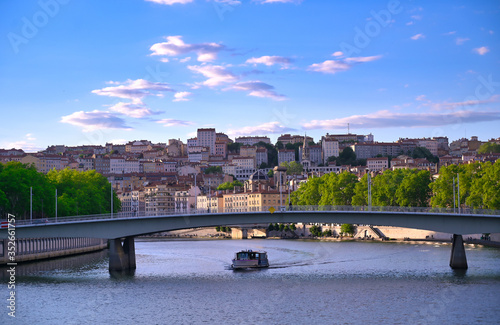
(90, 73)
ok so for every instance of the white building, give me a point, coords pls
(116, 165)
(249, 141)
(329, 148)
(377, 164)
(206, 138)
(286, 155)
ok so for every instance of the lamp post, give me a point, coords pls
(31, 204)
(369, 181)
(454, 204)
(458, 192)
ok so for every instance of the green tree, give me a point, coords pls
(213, 170)
(421, 152)
(293, 167)
(489, 147)
(485, 187)
(270, 227)
(308, 193)
(360, 197)
(234, 147)
(346, 157)
(229, 185)
(414, 190)
(337, 189)
(16, 179)
(315, 231)
(347, 228)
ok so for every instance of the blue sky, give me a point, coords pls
(90, 72)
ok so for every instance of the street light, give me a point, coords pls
(369, 181)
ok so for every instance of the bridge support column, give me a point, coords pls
(122, 257)
(458, 259)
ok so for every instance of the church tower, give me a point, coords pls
(306, 155)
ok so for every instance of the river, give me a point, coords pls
(308, 282)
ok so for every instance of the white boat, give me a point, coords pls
(250, 259)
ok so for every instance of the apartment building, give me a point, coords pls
(206, 138)
(286, 155)
(377, 164)
(250, 141)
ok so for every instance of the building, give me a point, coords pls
(287, 138)
(371, 150)
(138, 146)
(206, 138)
(286, 155)
(261, 156)
(329, 148)
(250, 141)
(377, 164)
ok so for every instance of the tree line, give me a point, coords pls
(78, 193)
(479, 188)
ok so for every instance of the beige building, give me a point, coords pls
(377, 164)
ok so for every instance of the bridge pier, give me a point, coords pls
(122, 257)
(458, 260)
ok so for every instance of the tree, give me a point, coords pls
(489, 147)
(213, 170)
(234, 147)
(315, 231)
(414, 190)
(360, 197)
(347, 228)
(293, 167)
(421, 152)
(346, 157)
(229, 185)
(270, 227)
(217, 229)
(279, 145)
(337, 189)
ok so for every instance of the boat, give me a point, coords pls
(250, 259)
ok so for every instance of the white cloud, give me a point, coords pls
(216, 74)
(271, 60)
(450, 33)
(417, 37)
(338, 53)
(482, 50)
(27, 144)
(409, 23)
(460, 40)
(334, 66)
(265, 128)
(258, 89)
(134, 89)
(172, 122)
(385, 119)
(181, 96)
(175, 46)
(170, 2)
(421, 98)
(441, 106)
(135, 110)
(186, 59)
(94, 120)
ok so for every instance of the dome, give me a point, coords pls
(259, 175)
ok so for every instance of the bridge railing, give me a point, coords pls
(283, 209)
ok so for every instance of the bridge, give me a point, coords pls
(120, 229)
